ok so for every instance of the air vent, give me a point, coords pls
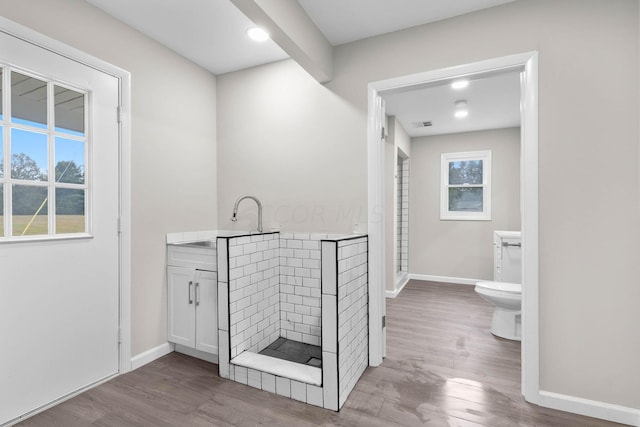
(422, 124)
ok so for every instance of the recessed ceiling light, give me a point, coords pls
(460, 84)
(461, 104)
(461, 114)
(257, 34)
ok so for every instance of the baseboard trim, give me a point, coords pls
(590, 408)
(150, 355)
(403, 283)
(444, 279)
(209, 357)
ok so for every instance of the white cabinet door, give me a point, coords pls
(206, 311)
(181, 305)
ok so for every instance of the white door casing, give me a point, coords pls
(528, 64)
(63, 303)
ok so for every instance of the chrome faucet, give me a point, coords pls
(255, 199)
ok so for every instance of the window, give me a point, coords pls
(43, 157)
(465, 192)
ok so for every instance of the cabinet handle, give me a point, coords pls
(197, 294)
(190, 285)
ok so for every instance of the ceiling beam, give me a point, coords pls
(291, 28)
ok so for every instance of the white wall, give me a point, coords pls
(291, 142)
(173, 142)
(461, 248)
(294, 142)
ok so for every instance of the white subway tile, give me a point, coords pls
(314, 395)
(330, 380)
(329, 325)
(295, 299)
(311, 301)
(311, 263)
(223, 273)
(302, 272)
(241, 374)
(295, 336)
(294, 262)
(254, 378)
(301, 253)
(223, 306)
(302, 309)
(298, 391)
(240, 240)
(268, 382)
(311, 339)
(302, 291)
(294, 244)
(283, 386)
(223, 354)
(329, 272)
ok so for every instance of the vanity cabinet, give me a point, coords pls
(192, 298)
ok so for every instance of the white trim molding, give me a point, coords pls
(150, 355)
(527, 64)
(590, 408)
(445, 279)
(402, 283)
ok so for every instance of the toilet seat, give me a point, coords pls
(509, 288)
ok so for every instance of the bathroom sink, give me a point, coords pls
(199, 244)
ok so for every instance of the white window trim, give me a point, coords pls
(52, 133)
(445, 159)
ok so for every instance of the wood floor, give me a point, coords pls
(443, 368)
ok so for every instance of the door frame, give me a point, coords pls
(528, 63)
(124, 168)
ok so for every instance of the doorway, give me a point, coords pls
(527, 64)
(64, 305)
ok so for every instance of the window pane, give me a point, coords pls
(30, 208)
(1, 150)
(28, 155)
(69, 210)
(28, 100)
(465, 172)
(69, 161)
(69, 111)
(1, 83)
(464, 199)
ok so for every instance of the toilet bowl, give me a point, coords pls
(507, 298)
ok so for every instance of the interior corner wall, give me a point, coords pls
(461, 248)
(173, 143)
(302, 147)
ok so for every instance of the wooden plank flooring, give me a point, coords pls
(443, 368)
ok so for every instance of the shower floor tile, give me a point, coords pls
(295, 351)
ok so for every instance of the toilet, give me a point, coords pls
(505, 291)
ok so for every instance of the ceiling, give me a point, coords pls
(493, 102)
(344, 21)
(212, 34)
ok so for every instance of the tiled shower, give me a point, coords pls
(402, 219)
(304, 289)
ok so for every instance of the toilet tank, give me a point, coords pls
(507, 256)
